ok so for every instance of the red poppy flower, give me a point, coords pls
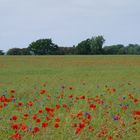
(38, 120)
(20, 103)
(24, 127)
(14, 118)
(56, 125)
(82, 97)
(136, 112)
(15, 126)
(57, 120)
(47, 109)
(70, 96)
(36, 129)
(16, 136)
(57, 106)
(81, 125)
(64, 105)
(78, 130)
(135, 101)
(110, 138)
(44, 124)
(40, 111)
(93, 106)
(26, 115)
(42, 91)
(29, 103)
(34, 117)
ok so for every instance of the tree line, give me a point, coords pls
(89, 46)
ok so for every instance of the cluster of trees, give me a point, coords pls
(1, 52)
(90, 46)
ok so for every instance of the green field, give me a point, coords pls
(113, 82)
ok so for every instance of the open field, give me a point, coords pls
(70, 97)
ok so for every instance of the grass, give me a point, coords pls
(105, 78)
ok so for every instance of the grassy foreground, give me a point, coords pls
(70, 97)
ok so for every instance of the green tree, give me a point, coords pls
(114, 49)
(1, 52)
(91, 46)
(43, 47)
(66, 50)
(96, 44)
(14, 51)
(25, 51)
(84, 47)
(133, 49)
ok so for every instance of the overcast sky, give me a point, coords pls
(68, 22)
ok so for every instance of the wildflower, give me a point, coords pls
(44, 124)
(136, 112)
(64, 105)
(86, 113)
(36, 129)
(38, 120)
(20, 104)
(24, 127)
(14, 118)
(116, 118)
(56, 125)
(34, 117)
(93, 106)
(82, 125)
(82, 97)
(136, 101)
(29, 103)
(15, 126)
(40, 111)
(70, 96)
(78, 130)
(57, 120)
(26, 115)
(16, 136)
(42, 91)
(57, 106)
(110, 138)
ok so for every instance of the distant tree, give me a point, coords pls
(133, 49)
(25, 51)
(122, 50)
(66, 50)
(96, 44)
(14, 51)
(43, 47)
(114, 49)
(84, 47)
(91, 46)
(1, 52)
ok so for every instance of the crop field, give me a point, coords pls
(70, 97)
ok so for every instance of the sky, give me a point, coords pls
(67, 22)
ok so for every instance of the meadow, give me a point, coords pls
(70, 97)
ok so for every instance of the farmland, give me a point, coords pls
(70, 97)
